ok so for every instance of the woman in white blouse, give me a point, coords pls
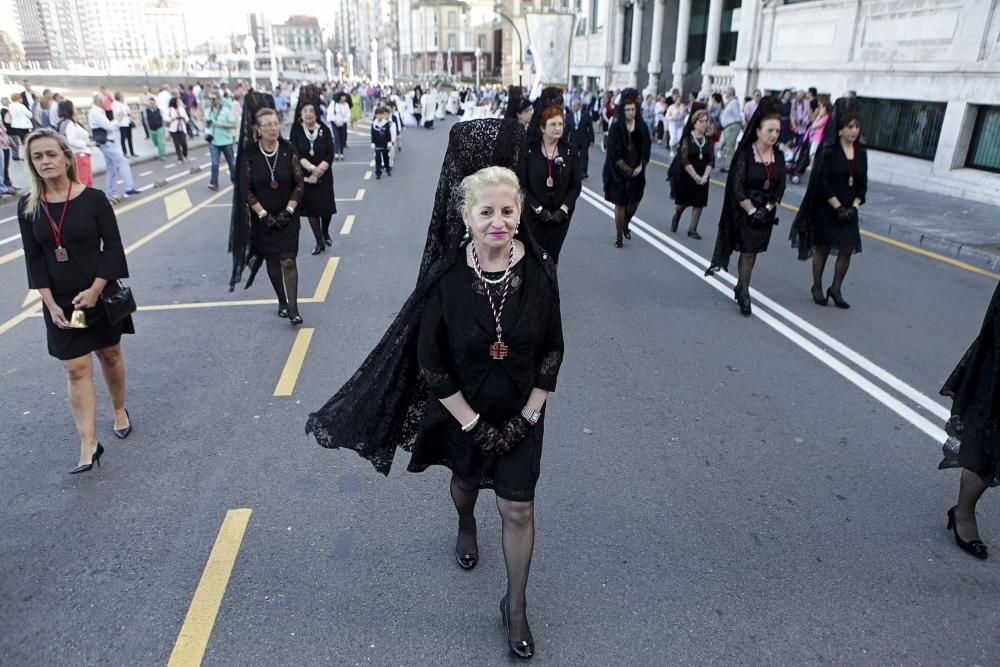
(177, 120)
(20, 123)
(78, 139)
(123, 118)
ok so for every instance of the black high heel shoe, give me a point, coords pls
(627, 234)
(744, 301)
(295, 319)
(96, 458)
(818, 297)
(675, 222)
(974, 547)
(122, 433)
(466, 561)
(619, 244)
(693, 233)
(838, 300)
(318, 249)
(523, 649)
(283, 311)
(328, 241)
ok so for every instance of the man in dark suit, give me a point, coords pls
(580, 133)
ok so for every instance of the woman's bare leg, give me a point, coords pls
(113, 368)
(83, 402)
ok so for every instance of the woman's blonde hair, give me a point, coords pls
(472, 184)
(37, 182)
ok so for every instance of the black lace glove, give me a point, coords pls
(757, 216)
(854, 214)
(488, 439)
(560, 215)
(270, 220)
(843, 214)
(283, 219)
(514, 429)
(545, 215)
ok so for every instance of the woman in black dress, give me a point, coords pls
(754, 188)
(313, 141)
(625, 162)
(552, 183)
(462, 375)
(690, 171)
(827, 222)
(273, 183)
(974, 428)
(74, 254)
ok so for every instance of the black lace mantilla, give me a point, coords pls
(380, 407)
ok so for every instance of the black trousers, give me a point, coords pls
(127, 147)
(382, 160)
(549, 235)
(584, 151)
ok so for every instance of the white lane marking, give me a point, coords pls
(866, 385)
(171, 165)
(10, 219)
(866, 364)
(10, 239)
(145, 173)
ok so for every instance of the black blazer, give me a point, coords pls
(566, 181)
(579, 136)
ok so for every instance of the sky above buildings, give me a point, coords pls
(207, 20)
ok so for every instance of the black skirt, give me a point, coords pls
(839, 237)
(72, 343)
(751, 238)
(275, 243)
(689, 193)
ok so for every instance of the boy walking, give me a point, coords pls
(382, 141)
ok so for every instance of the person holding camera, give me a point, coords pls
(219, 126)
(274, 184)
(553, 183)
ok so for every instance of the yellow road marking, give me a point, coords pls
(325, 280)
(189, 649)
(290, 374)
(357, 197)
(368, 176)
(33, 295)
(36, 309)
(348, 223)
(11, 256)
(885, 239)
(372, 163)
(176, 203)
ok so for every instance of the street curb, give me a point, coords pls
(977, 256)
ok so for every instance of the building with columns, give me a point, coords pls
(926, 72)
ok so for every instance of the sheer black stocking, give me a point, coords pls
(840, 270)
(629, 214)
(695, 219)
(518, 542)
(747, 261)
(970, 489)
(325, 226)
(619, 222)
(277, 281)
(290, 271)
(317, 230)
(465, 498)
(819, 266)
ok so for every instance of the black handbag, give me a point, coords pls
(119, 305)
(99, 135)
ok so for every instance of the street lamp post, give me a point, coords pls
(274, 57)
(479, 55)
(329, 66)
(251, 47)
(520, 47)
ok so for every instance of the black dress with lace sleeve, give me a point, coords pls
(974, 387)
(456, 331)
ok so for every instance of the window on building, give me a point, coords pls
(452, 19)
(452, 41)
(596, 14)
(466, 40)
(481, 42)
(984, 150)
(627, 36)
(902, 126)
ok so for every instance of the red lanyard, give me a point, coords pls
(548, 161)
(767, 171)
(57, 232)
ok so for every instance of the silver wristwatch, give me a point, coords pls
(531, 416)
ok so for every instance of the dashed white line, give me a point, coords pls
(145, 173)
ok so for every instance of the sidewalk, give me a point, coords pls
(968, 231)
(144, 148)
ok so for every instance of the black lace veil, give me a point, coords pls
(724, 242)
(380, 407)
(801, 233)
(240, 242)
